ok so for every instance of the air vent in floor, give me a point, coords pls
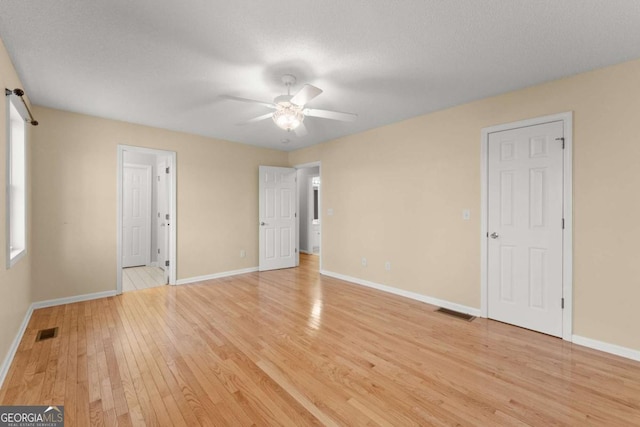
(457, 314)
(45, 334)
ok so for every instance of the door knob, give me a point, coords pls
(494, 235)
(263, 223)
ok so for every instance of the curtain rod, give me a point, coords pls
(20, 93)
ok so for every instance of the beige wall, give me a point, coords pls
(74, 221)
(398, 193)
(15, 283)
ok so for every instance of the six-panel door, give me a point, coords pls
(525, 206)
(277, 227)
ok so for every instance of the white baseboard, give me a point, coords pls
(71, 300)
(216, 275)
(6, 364)
(407, 294)
(629, 353)
(153, 264)
(304, 251)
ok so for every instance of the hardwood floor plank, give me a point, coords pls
(277, 376)
(292, 347)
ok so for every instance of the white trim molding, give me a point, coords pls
(71, 300)
(407, 294)
(6, 363)
(216, 275)
(628, 353)
(567, 247)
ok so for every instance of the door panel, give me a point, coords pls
(525, 207)
(277, 228)
(136, 215)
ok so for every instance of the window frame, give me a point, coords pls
(13, 257)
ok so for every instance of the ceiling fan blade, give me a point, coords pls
(306, 94)
(301, 130)
(250, 101)
(333, 115)
(256, 119)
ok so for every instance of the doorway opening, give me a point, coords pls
(309, 213)
(146, 232)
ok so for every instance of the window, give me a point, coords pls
(16, 185)
(315, 184)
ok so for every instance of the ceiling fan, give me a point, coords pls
(290, 110)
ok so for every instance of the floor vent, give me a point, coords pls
(45, 334)
(457, 314)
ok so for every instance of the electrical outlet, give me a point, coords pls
(387, 265)
(364, 262)
(330, 211)
(243, 253)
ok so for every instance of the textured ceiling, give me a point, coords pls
(165, 63)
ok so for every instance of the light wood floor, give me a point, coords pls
(294, 348)
(136, 278)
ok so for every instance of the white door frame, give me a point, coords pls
(172, 203)
(567, 237)
(162, 231)
(320, 214)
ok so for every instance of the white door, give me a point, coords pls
(163, 215)
(277, 228)
(525, 227)
(136, 215)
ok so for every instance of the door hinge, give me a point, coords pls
(166, 170)
(166, 217)
(296, 250)
(166, 263)
(562, 303)
(295, 215)
(561, 139)
(563, 223)
(158, 251)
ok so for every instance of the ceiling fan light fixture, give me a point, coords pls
(288, 117)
